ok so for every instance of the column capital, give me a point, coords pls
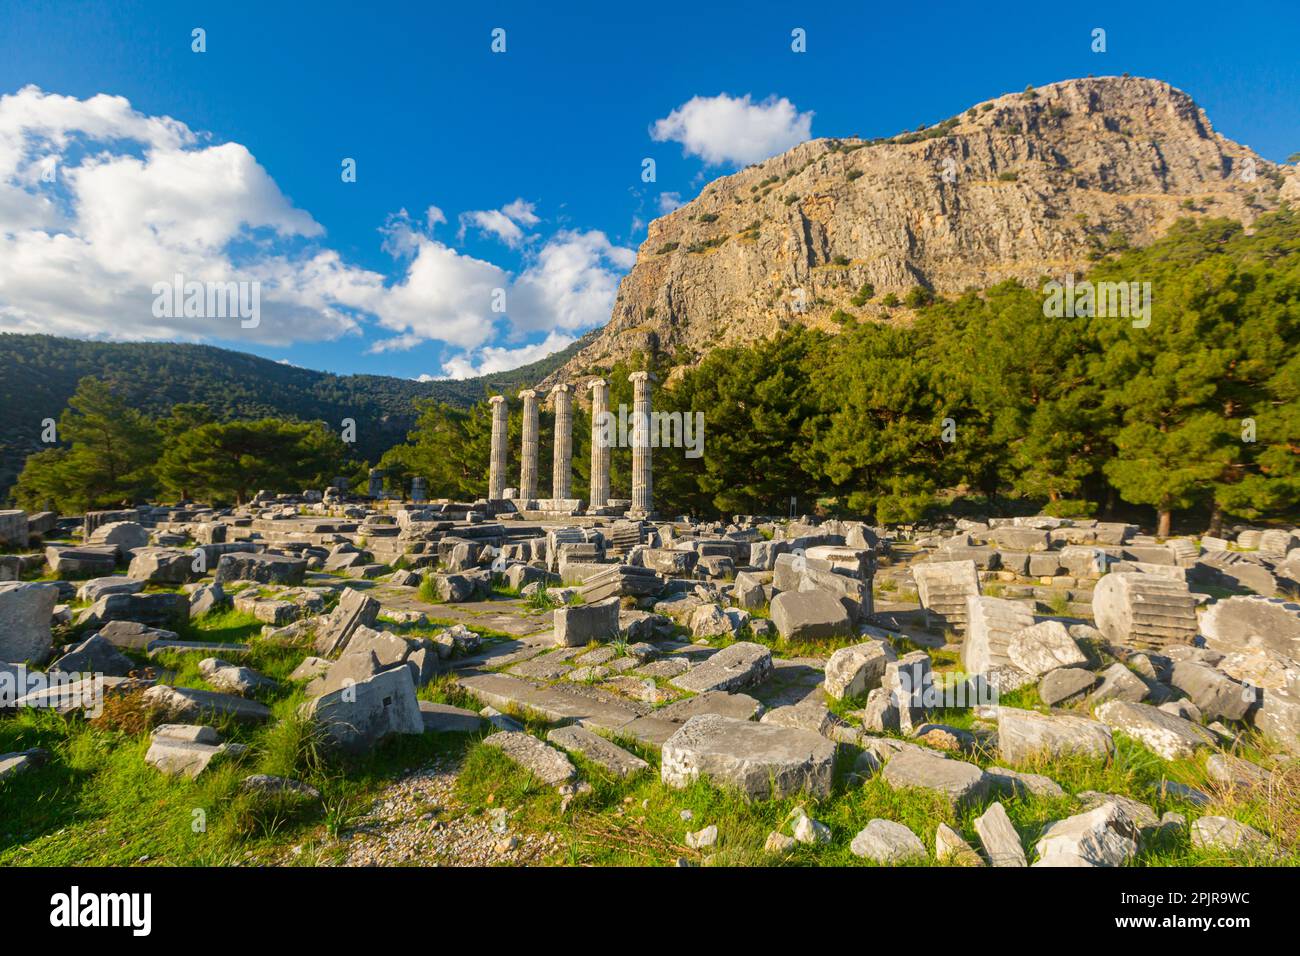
(641, 377)
(528, 393)
(562, 387)
(597, 383)
(497, 399)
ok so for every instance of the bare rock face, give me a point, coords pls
(1021, 186)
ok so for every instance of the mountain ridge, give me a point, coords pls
(1022, 186)
(38, 374)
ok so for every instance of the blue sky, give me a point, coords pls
(478, 171)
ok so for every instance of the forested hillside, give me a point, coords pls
(39, 373)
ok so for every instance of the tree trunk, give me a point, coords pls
(1216, 520)
(1165, 523)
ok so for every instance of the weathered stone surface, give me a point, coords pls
(950, 848)
(810, 616)
(26, 609)
(1278, 717)
(125, 536)
(1224, 833)
(708, 620)
(1024, 734)
(853, 671)
(1044, 647)
(999, 838)
(1168, 736)
(991, 623)
(360, 715)
(1062, 685)
(957, 780)
(161, 566)
(1143, 610)
(232, 678)
(267, 785)
(96, 588)
(597, 749)
(943, 588)
(579, 625)
(1248, 623)
(94, 655)
(547, 764)
(1232, 772)
(445, 719)
(207, 598)
(1119, 683)
(183, 750)
(78, 562)
(761, 760)
(1215, 694)
(1015, 783)
(263, 568)
(722, 703)
(738, 665)
(189, 705)
(134, 636)
(1104, 836)
(154, 609)
(887, 842)
(355, 609)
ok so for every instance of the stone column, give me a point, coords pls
(562, 469)
(642, 480)
(600, 448)
(528, 464)
(419, 489)
(500, 432)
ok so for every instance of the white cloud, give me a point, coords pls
(734, 130)
(571, 284)
(492, 359)
(137, 200)
(668, 202)
(506, 223)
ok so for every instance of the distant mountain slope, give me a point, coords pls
(1028, 184)
(38, 374)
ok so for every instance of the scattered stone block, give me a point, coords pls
(1143, 610)
(887, 842)
(1026, 734)
(738, 665)
(810, 616)
(999, 838)
(26, 610)
(597, 749)
(761, 760)
(1104, 836)
(958, 781)
(1168, 736)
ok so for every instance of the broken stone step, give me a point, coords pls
(546, 763)
(597, 749)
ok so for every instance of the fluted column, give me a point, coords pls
(528, 465)
(642, 479)
(562, 470)
(500, 432)
(600, 448)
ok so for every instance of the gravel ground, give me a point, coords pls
(417, 821)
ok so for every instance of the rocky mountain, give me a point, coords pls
(1027, 185)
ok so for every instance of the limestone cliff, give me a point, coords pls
(1027, 185)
